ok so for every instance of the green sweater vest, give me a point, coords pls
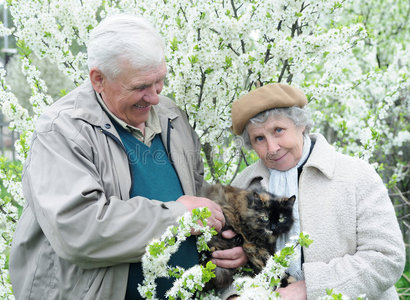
(154, 177)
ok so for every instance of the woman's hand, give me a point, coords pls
(229, 258)
(294, 291)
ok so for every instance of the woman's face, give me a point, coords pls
(278, 142)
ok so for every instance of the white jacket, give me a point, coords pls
(345, 208)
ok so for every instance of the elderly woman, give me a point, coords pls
(341, 201)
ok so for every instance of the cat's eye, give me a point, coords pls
(264, 219)
(281, 219)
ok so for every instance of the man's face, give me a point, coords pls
(130, 96)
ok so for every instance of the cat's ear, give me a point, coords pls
(253, 198)
(291, 200)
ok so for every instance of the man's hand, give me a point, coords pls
(216, 220)
(229, 258)
(294, 291)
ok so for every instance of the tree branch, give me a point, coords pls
(282, 72)
(201, 91)
(207, 148)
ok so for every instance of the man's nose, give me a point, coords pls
(151, 95)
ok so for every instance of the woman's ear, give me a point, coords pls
(97, 79)
(303, 129)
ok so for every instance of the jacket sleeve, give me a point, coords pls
(63, 187)
(378, 260)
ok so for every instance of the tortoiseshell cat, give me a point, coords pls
(258, 218)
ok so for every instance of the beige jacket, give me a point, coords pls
(344, 207)
(79, 230)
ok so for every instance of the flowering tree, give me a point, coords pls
(350, 58)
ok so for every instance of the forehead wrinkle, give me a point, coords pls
(134, 77)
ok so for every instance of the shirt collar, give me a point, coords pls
(152, 125)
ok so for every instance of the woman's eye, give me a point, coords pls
(278, 130)
(259, 138)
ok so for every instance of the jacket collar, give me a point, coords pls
(87, 108)
(322, 158)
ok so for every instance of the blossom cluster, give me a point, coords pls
(158, 252)
(189, 283)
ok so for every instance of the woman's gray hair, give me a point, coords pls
(124, 38)
(300, 117)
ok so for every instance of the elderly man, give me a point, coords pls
(111, 166)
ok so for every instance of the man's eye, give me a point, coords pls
(259, 138)
(279, 130)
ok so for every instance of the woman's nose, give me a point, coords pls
(273, 145)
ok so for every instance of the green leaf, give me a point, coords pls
(228, 62)
(174, 44)
(208, 271)
(156, 248)
(179, 22)
(23, 49)
(63, 92)
(193, 59)
(329, 292)
(304, 240)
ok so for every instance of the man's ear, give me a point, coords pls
(97, 79)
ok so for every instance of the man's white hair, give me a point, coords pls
(124, 38)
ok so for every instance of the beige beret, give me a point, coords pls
(269, 96)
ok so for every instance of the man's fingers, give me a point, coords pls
(228, 234)
(215, 223)
(219, 217)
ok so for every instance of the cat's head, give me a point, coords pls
(269, 215)
(257, 213)
(281, 214)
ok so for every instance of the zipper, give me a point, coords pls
(117, 140)
(169, 141)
